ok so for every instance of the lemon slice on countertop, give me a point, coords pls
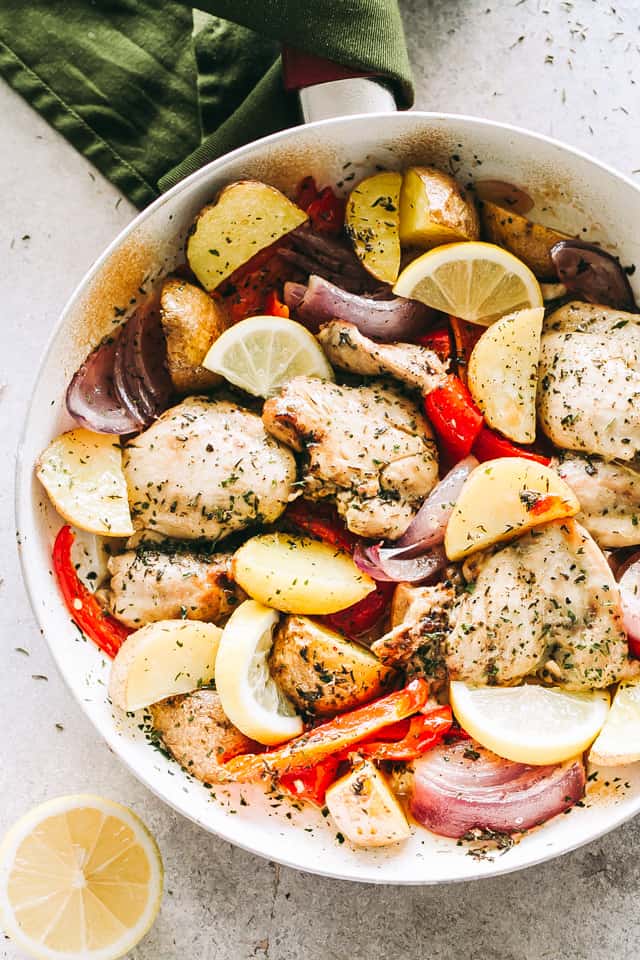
(261, 354)
(472, 280)
(249, 695)
(619, 740)
(80, 879)
(530, 724)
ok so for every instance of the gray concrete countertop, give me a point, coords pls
(569, 69)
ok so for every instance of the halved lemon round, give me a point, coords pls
(80, 879)
(249, 695)
(619, 740)
(261, 354)
(530, 724)
(472, 280)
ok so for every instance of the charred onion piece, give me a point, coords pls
(401, 564)
(593, 274)
(429, 524)
(385, 320)
(463, 787)
(124, 384)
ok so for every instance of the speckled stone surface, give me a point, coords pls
(566, 69)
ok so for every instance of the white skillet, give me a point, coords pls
(571, 191)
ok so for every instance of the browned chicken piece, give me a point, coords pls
(369, 447)
(547, 603)
(420, 622)
(191, 321)
(204, 469)
(150, 584)
(609, 495)
(347, 349)
(196, 731)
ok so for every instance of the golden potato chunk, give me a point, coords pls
(191, 321)
(372, 220)
(530, 242)
(247, 217)
(322, 672)
(435, 210)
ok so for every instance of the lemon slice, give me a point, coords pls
(475, 281)
(249, 695)
(261, 354)
(619, 739)
(530, 724)
(80, 879)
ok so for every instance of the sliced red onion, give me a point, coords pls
(400, 564)
(92, 399)
(629, 583)
(328, 257)
(593, 274)
(429, 524)
(386, 320)
(463, 787)
(124, 384)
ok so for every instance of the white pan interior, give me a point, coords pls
(571, 192)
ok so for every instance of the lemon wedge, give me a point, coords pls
(530, 724)
(82, 473)
(619, 740)
(80, 879)
(261, 354)
(472, 280)
(249, 695)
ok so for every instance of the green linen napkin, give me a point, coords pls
(150, 90)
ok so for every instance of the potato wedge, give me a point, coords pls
(530, 242)
(191, 321)
(365, 809)
(502, 373)
(322, 672)
(618, 742)
(372, 222)
(299, 575)
(435, 210)
(247, 216)
(82, 473)
(163, 659)
(501, 499)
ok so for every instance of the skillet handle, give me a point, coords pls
(329, 90)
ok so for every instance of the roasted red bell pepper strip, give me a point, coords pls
(489, 445)
(439, 340)
(331, 738)
(425, 730)
(325, 209)
(274, 307)
(322, 520)
(454, 417)
(363, 615)
(311, 784)
(84, 609)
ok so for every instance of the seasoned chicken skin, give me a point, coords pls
(589, 380)
(609, 495)
(368, 447)
(150, 584)
(196, 731)
(347, 349)
(205, 469)
(420, 622)
(546, 603)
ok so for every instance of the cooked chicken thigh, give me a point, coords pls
(198, 733)
(151, 584)
(546, 603)
(368, 447)
(347, 349)
(609, 495)
(205, 469)
(589, 380)
(420, 622)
